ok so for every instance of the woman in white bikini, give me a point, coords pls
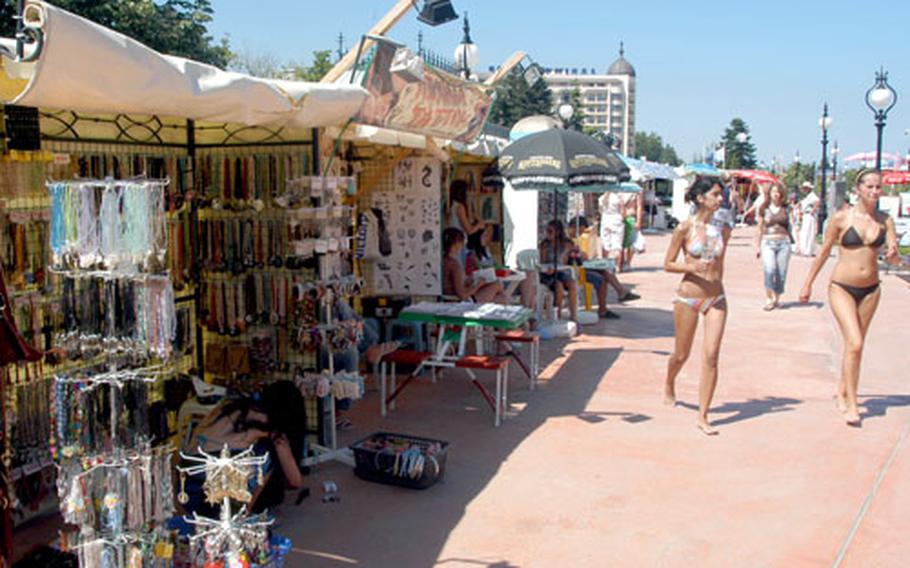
(855, 288)
(701, 291)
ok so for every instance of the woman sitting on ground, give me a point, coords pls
(456, 283)
(555, 249)
(274, 425)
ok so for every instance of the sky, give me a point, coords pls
(699, 64)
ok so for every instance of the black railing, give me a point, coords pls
(439, 62)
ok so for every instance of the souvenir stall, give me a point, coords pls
(404, 147)
(179, 218)
(657, 182)
(687, 173)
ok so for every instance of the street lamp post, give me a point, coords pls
(466, 54)
(880, 98)
(824, 123)
(565, 111)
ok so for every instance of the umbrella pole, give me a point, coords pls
(556, 240)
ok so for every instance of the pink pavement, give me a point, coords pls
(592, 470)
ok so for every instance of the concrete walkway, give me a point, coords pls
(592, 470)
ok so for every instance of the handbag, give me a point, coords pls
(13, 347)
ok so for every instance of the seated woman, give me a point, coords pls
(479, 255)
(274, 424)
(555, 249)
(455, 282)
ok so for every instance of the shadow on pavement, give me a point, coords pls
(470, 562)
(752, 408)
(406, 528)
(878, 404)
(799, 305)
(635, 323)
(595, 417)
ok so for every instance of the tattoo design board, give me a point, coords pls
(411, 215)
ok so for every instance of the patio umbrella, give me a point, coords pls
(896, 178)
(561, 161)
(867, 159)
(701, 169)
(756, 176)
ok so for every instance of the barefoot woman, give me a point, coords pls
(854, 290)
(701, 291)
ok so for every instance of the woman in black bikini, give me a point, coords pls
(703, 244)
(855, 288)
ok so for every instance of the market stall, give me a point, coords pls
(182, 236)
(680, 209)
(657, 182)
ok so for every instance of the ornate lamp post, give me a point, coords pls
(824, 123)
(466, 54)
(880, 98)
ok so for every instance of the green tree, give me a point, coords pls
(577, 122)
(515, 99)
(668, 156)
(322, 64)
(850, 177)
(174, 27)
(268, 66)
(650, 145)
(797, 173)
(738, 155)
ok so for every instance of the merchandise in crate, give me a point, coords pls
(400, 459)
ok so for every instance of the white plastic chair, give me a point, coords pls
(528, 262)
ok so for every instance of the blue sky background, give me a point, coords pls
(699, 64)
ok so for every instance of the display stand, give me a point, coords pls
(330, 451)
(109, 240)
(231, 536)
(331, 245)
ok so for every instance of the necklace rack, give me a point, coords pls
(109, 241)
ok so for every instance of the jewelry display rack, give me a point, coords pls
(333, 241)
(125, 243)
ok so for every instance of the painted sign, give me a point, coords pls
(438, 105)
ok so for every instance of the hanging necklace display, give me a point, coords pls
(108, 224)
(130, 315)
(117, 496)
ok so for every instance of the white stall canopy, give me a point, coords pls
(88, 68)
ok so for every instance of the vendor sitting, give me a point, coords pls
(586, 248)
(554, 250)
(275, 424)
(456, 283)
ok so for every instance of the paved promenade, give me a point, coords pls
(592, 470)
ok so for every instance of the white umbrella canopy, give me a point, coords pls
(86, 67)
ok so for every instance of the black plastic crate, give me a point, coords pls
(379, 458)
